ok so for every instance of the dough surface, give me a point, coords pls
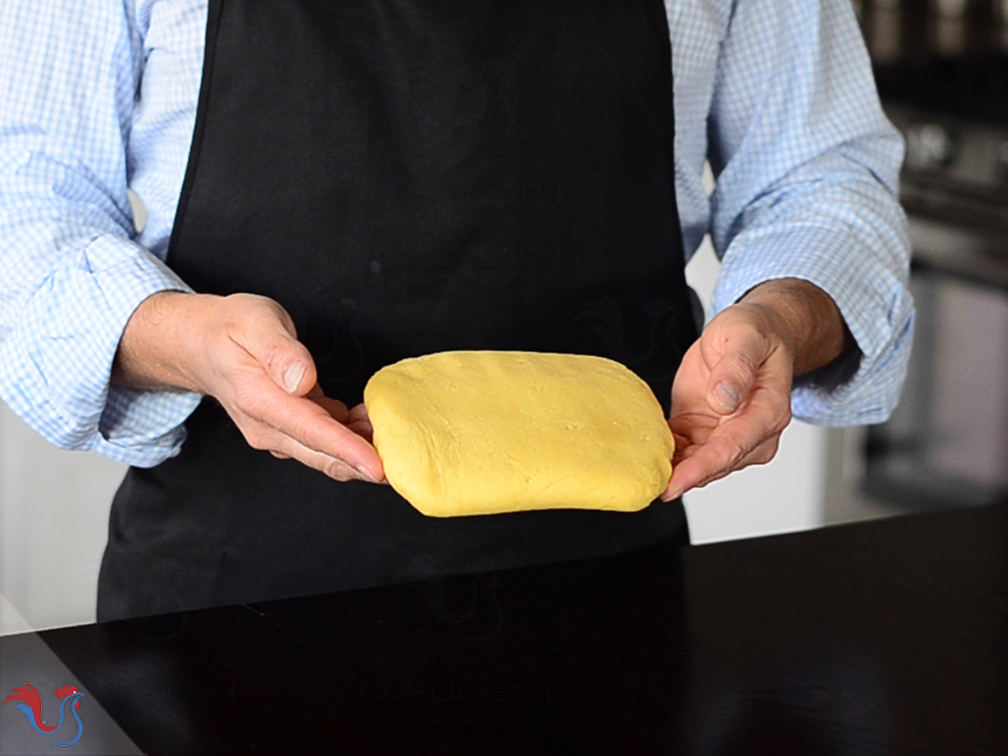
(469, 433)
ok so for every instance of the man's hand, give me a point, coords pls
(731, 398)
(243, 351)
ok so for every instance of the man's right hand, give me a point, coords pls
(243, 351)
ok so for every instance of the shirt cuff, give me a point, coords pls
(57, 362)
(871, 296)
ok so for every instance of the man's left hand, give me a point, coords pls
(731, 398)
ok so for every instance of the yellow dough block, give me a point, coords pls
(470, 433)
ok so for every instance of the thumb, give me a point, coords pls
(737, 354)
(269, 336)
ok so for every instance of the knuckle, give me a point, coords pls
(250, 314)
(337, 470)
(713, 478)
(736, 459)
(298, 430)
(729, 458)
(238, 308)
(285, 318)
(749, 330)
(742, 365)
(270, 311)
(275, 353)
(744, 328)
(257, 439)
(246, 301)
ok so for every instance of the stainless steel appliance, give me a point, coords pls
(942, 71)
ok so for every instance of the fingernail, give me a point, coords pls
(293, 376)
(727, 396)
(366, 473)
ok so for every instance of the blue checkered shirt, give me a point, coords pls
(100, 96)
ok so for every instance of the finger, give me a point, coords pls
(308, 423)
(363, 429)
(735, 353)
(710, 461)
(761, 455)
(360, 423)
(266, 332)
(730, 444)
(358, 412)
(690, 429)
(685, 451)
(359, 418)
(337, 469)
(326, 436)
(336, 409)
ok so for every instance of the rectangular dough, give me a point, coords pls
(480, 432)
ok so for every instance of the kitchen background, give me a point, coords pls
(942, 69)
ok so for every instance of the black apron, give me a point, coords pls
(407, 177)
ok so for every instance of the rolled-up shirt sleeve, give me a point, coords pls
(71, 273)
(807, 173)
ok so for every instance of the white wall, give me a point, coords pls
(781, 497)
(54, 509)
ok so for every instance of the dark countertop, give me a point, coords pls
(878, 638)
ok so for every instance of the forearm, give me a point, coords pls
(807, 173)
(805, 317)
(161, 339)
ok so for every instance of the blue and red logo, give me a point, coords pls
(31, 707)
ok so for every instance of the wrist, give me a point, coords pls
(160, 344)
(804, 318)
